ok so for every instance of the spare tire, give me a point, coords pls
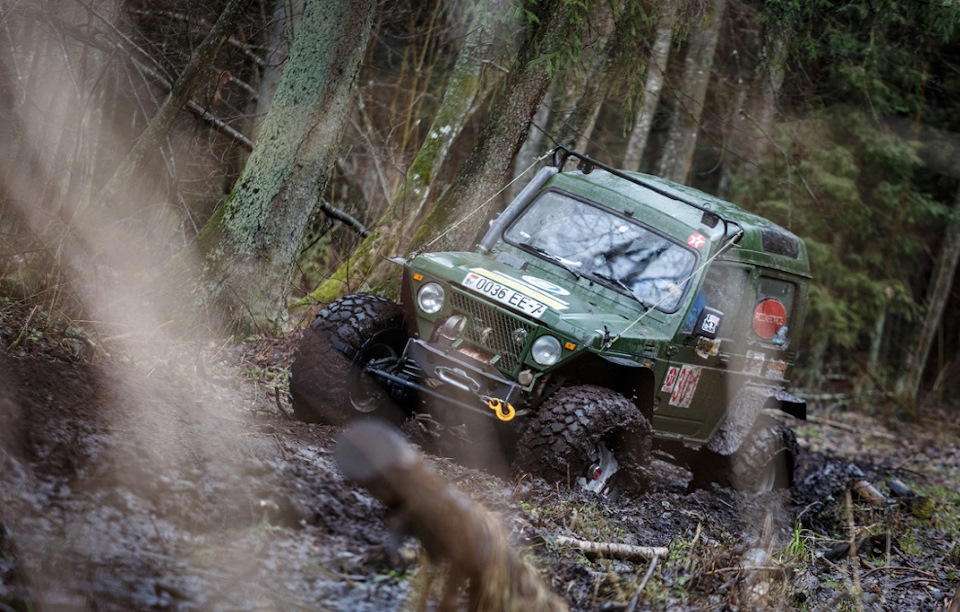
(327, 383)
(588, 436)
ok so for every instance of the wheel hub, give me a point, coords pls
(602, 468)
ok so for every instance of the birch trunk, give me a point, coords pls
(681, 141)
(653, 86)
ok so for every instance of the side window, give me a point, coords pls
(772, 312)
(723, 290)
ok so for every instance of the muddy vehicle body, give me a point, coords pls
(603, 315)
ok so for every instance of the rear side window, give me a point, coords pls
(723, 289)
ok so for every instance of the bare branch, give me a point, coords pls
(612, 549)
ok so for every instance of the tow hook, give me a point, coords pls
(503, 410)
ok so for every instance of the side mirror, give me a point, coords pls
(708, 323)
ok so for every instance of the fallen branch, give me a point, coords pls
(918, 505)
(914, 580)
(611, 549)
(869, 493)
(897, 569)
(854, 560)
(751, 568)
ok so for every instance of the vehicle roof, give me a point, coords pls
(668, 206)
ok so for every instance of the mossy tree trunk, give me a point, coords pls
(250, 244)
(367, 267)
(458, 215)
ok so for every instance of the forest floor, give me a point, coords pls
(179, 481)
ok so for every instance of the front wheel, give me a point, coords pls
(588, 436)
(327, 382)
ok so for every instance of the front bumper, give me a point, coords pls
(455, 379)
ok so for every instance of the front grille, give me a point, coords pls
(493, 331)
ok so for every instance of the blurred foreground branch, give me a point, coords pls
(451, 527)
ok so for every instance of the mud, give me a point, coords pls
(182, 483)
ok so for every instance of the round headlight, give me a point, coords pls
(430, 298)
(546, 350)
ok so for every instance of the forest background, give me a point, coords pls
(240, 161)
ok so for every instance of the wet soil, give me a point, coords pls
(181, 482)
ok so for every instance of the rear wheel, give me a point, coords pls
(588, 436)
(327, 382)
(764, 462)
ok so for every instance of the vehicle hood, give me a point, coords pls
(585, 311)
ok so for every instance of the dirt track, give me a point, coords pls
(182, 483)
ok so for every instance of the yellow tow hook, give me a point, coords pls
(503, 410)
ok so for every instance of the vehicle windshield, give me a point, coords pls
(592, 241)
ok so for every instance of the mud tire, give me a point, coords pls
(765, 461)
(559, 441)
(326, 381)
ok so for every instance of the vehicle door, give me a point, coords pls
(695, 389)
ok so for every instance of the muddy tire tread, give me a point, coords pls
(767, 440)
(557, 443)
(770, 439)
(325, 356)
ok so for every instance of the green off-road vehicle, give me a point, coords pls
(604, 314)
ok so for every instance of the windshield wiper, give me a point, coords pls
(619, 283)
(566, 264)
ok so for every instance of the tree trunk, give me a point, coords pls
(748, 132)
(367, 266)
(535, 143)
(681, 142)
(284, 21)
(939, 292)
(656, 67)
(453, 222)
(250, 243)
(588, 91)
(179, 95)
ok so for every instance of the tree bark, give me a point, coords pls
(453, 222)
(939, 291)
(453, 529)
(250, 244)
(284, 21)
(588, 91)
(367, 267)
(681, 142)
(653, 86)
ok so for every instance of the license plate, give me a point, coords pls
(504, 295)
